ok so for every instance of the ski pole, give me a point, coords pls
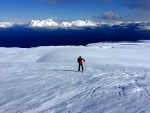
(85, 66)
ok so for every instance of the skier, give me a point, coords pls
(80, 63)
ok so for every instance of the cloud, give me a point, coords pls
(109, 16)
(61, 1)
(138, 4)
(131, 4)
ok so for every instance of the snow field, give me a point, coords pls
(45, 79)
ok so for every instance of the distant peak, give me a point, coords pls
(6, 24)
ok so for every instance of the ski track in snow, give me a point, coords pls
(48, 87)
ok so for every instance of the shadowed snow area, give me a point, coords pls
(45, 79)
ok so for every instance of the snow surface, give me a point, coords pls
(45, 79)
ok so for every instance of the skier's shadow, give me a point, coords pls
(64, 70)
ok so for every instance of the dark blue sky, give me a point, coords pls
(99, 10)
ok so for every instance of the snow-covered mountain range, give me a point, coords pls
(51, 24)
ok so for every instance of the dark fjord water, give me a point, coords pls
(32, 37)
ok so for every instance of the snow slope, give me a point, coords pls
(45, 79)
